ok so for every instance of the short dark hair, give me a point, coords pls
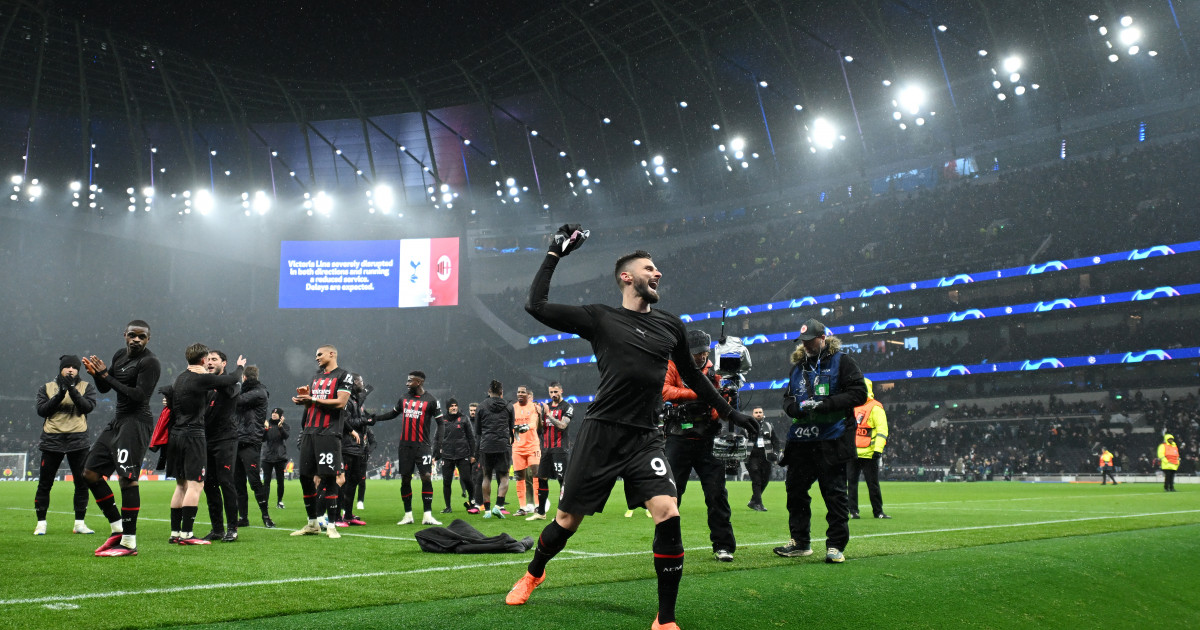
(554, 384)
(624, 260)
(417, 373)
(220, 354)
(139, 323)
(195, 353)
(251, 371)
(496, 387)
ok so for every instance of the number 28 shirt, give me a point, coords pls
(319, 419)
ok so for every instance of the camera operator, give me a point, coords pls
(691, 425)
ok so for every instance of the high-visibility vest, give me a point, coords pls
(1171, 454)
(1105, 459)
(862, 431)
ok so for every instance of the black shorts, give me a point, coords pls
(221, 456)
(553, 464)
(187, 457)
(320, 455)
(495, 464)
(120, 447)
(414, 457)
(604, 451)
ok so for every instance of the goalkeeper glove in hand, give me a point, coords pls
(568, 238)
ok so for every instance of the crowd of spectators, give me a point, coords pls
(1035, 437)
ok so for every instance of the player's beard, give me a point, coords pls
(643, 290)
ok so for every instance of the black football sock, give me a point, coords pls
(543, 495)
(447, 488)
(427, 495)
(176, 519)
(188, 522)
(308, 490)
(105, 500)
(668, 564)
(131, 504)
(552, 540)
(406, 493)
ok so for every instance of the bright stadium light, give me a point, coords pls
(261, 203)
(384, 198)
(148, 192)
(911, 99)
(76, 186)
(323, 203)
(1012, 64)
(737, 144)
(823, 134)
(17, 180)
(203, 201)
(1130, 36)
(1126, 21)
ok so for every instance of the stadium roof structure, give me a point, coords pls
(678, 78)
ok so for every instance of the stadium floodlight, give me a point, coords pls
(148, 192)
(1014, 77)
(17, 180)
(799, 107)
(323, 203)
(1126, 21)
(737, 144)
(823, 134)
(1012, 63)
(911, 99)
(203, 201)
(1133, 50)
(1130, 36)
(848, 58)
(384, 198)
(1002, 96)
(1113, 58)
(982, 52)
(762, 84)
(466, 142)
(533, 132)
(941, 28)
(34, 190)
(683, 104)
(261, 203)
(607, 120)
(1019, 90)
(76, 186)
(1093, 17)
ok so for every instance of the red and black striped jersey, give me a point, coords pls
(321, 420)
(417, 414)
(552, 436)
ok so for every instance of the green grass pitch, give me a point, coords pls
(982, 555)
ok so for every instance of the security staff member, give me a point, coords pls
(758, 464)
(1168, 459)
(824, 388)
(691, 425)
(1106, 467)
(870, 436)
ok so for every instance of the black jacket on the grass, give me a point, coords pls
(460, 537)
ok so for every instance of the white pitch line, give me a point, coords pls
(1045, 498)
(222, 585)
(281, 529)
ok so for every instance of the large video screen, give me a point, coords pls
(406, 273)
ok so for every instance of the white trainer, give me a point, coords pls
(429, 520)
(407, 520)
(40, 530)
(82, 528)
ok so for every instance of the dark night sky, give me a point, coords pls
(346, 39)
